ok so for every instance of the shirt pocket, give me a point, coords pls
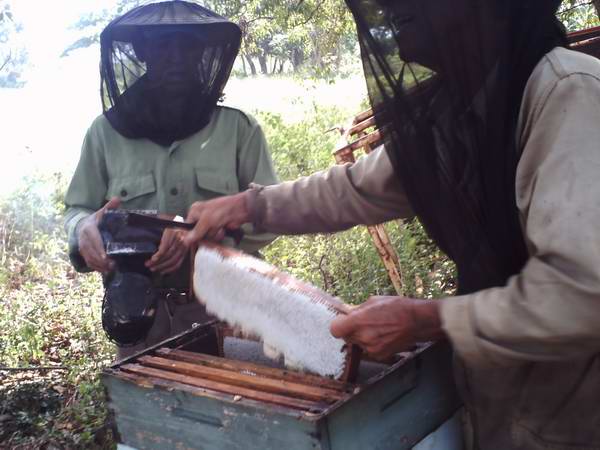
(212, 183)
(135, 191)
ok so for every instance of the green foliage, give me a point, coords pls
(49, 316)
(13, 55)
(345, 264)
(309, 35)
(305, 34)
(579, 14)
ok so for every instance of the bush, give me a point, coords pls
(49, 317)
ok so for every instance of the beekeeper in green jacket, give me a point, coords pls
(163, 143)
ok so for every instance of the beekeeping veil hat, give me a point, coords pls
(446, 79)
(163, 68)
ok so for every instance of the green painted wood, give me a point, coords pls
(395, 412)
(156, 418)
(447, 437)
(401, 409)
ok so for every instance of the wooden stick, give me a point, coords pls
(378, 233)
(361, 126)
(5, 62)
(388, 256)
(582, 35)
(265, 397)
(170, 385)
(24, 369)
(279, 387)
(363, 115)
(251, 368)
(369, 139)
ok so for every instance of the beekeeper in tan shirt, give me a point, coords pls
(528, 350)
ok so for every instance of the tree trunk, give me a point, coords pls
(338, 55)
(274, 66)
(251, 64)
(262, 60)
(597, 6)
(297, 59)
(316, 57)
(244, 66)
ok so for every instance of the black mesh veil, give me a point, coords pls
(446, 79)
(170, 99)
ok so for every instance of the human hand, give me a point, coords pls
(171, 252)
(213, 217)
(91, 247)
(384, 326)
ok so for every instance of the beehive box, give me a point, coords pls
(182, 395)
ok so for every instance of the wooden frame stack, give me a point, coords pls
(361, 134)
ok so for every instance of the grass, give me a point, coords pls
(49, 317)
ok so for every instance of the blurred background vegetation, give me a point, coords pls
(299, 74)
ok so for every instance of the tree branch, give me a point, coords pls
(596, 4)
(323, 273)
(311, 15)
(5, 62)
(25, 369)
(260, 18)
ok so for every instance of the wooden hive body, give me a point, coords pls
(180, 394)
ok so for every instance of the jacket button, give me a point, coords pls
(123, 193)
(174, 191)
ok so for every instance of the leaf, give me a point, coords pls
(84, 42)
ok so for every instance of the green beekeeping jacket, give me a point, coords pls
(223, 158)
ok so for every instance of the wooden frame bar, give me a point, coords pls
(354, 138)
(252, 369)
(148, 375)
(305, 391)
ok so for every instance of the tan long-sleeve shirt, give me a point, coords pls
(530, 350)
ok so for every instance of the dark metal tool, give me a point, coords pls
(143, 220)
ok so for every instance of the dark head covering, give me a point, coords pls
(446, 79)
(142, 104)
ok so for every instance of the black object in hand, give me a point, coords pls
(149, 221)
(130, 298)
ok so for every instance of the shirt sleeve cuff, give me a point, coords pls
(256, 204)
(458, 323)
(74, 256)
